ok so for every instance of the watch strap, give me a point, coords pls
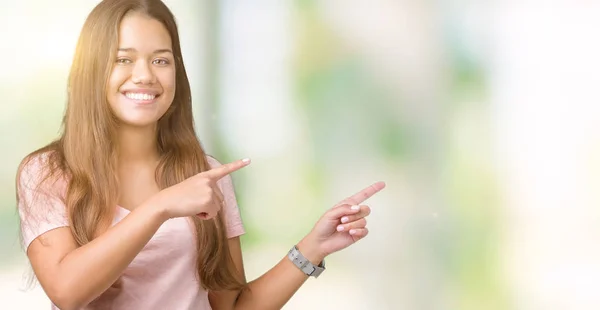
(304, 264)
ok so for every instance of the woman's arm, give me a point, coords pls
(74, 276)
(275, 288)
(270, 291)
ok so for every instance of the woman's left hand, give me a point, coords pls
(341, 226)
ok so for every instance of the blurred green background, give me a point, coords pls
(481, 116)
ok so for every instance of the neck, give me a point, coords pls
(137, 144)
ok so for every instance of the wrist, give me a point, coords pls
(157, 208)
(310, 249)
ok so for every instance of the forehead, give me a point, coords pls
(143, 33)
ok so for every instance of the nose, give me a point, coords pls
(143, 74)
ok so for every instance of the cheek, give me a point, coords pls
(167, 81)
(115, 80)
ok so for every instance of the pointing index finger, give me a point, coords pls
(364, 194)
(223, 170)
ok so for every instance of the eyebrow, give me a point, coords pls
(131, 49)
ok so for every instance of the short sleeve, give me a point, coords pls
(40, 204)
(233, 218)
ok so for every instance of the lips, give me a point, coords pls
(140, 96)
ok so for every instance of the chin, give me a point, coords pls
(146, 115)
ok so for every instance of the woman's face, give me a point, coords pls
(141, 86)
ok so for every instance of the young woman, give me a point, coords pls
(125, 210)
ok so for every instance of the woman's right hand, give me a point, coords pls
(197, 195)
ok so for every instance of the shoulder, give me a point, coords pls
(37, 168)
(34, 164)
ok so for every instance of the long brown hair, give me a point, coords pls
(85, 152)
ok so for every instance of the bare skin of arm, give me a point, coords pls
(63, 269)
(339, 227)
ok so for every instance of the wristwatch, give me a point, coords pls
(304, 264)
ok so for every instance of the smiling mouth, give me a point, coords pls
(140, 96)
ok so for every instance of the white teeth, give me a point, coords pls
(139, 96)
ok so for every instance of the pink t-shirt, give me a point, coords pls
(162, 276)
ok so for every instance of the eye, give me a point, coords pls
(123, 61)
(160, 62)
